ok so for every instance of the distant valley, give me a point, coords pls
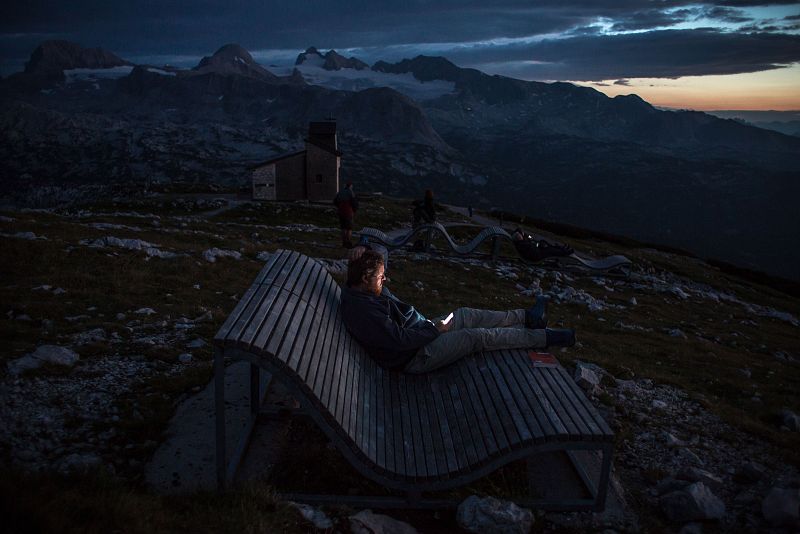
(718, 187)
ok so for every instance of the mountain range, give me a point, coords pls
(717, 187)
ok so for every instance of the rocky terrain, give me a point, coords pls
(110, 308)
(554, 151)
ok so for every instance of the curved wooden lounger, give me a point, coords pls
(495, 233)
(489, 232)
(411, 433)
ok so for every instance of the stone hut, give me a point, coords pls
(310, 174)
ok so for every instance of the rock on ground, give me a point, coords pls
(44, 354)
(313, 516)
(489, 515)
(365, 522)
(695, 502)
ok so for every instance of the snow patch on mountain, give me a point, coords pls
(91, 75)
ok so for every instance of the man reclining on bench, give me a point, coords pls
(400, 338)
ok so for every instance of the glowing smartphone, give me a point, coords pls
(448, 318)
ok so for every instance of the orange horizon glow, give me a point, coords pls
(776, 90)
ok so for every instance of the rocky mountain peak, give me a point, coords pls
(424, 68)
(332, 60)
(233, 59)
(53, 57)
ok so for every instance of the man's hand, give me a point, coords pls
(443, 327)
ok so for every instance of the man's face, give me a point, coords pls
(374, 283)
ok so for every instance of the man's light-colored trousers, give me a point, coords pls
(474, 331)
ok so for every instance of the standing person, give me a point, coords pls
(400, 338)
(424, 212)
(347, 204)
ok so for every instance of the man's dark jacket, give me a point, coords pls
(390, 330)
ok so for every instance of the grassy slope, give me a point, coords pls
(113, 281)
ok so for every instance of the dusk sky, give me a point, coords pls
(735, 54)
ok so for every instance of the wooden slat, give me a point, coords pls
(397, 425)
(482, 431)
(436, 459)
(573, 396)
(372, 450)
(361, 426)
(453, 400)
(321, 319)
(522, 401)
(604, 428)
(559, 430)
(327, 355)
(444, 424)
(382, 429)
(310, 324)
(520, 424)
(345, 377)
(520, 367)
(471, 419)
(300, 327)
(276, 262)
(408, 429)
(388, 423)
(484, 397)
(558, 410)
(368, 418)
(496, 398)
(568, 410)
(420, 428)
(335, 384)
(354, 400)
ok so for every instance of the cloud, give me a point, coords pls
(655, 54)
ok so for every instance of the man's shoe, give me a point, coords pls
(536, 317)
(560, 337)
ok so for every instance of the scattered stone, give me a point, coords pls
(672, 441)
(695, 502)
(44, 354)
(313, 516)
(263, 256)
(23, 317)
(43, 287)
(59, 291)
(790, 420)
(659, 404)
(185, 358)
(418, 285)
(196, 344)
(76, 318)
(586, 378)
(691, 528)
(145, 311)
(676, 332)
(207, 317)
(212, 254)
(98, 335)
(694, 474)
(633, 301)
(366, 522)
(781, 507)
(120, 317)
(491, 515)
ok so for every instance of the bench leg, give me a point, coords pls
(219, 403)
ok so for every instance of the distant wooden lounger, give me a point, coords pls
(495, 233)
(410, 433)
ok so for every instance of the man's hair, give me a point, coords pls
(364, 266)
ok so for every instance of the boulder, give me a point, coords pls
(781, 507)
(749, 472)
(52, 354)
(790, 420)
(365, 522)
(313, 516)
(695, 474)
(493, 516)
(695, 502)
(586, 378)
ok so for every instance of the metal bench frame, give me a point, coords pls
(540, 402)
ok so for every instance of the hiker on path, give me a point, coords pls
(347, 204)
(400, 338)
(537, 249)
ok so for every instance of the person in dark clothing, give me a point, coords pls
(400, 338)
(424, 212)
(537, 249)
(347, 205)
